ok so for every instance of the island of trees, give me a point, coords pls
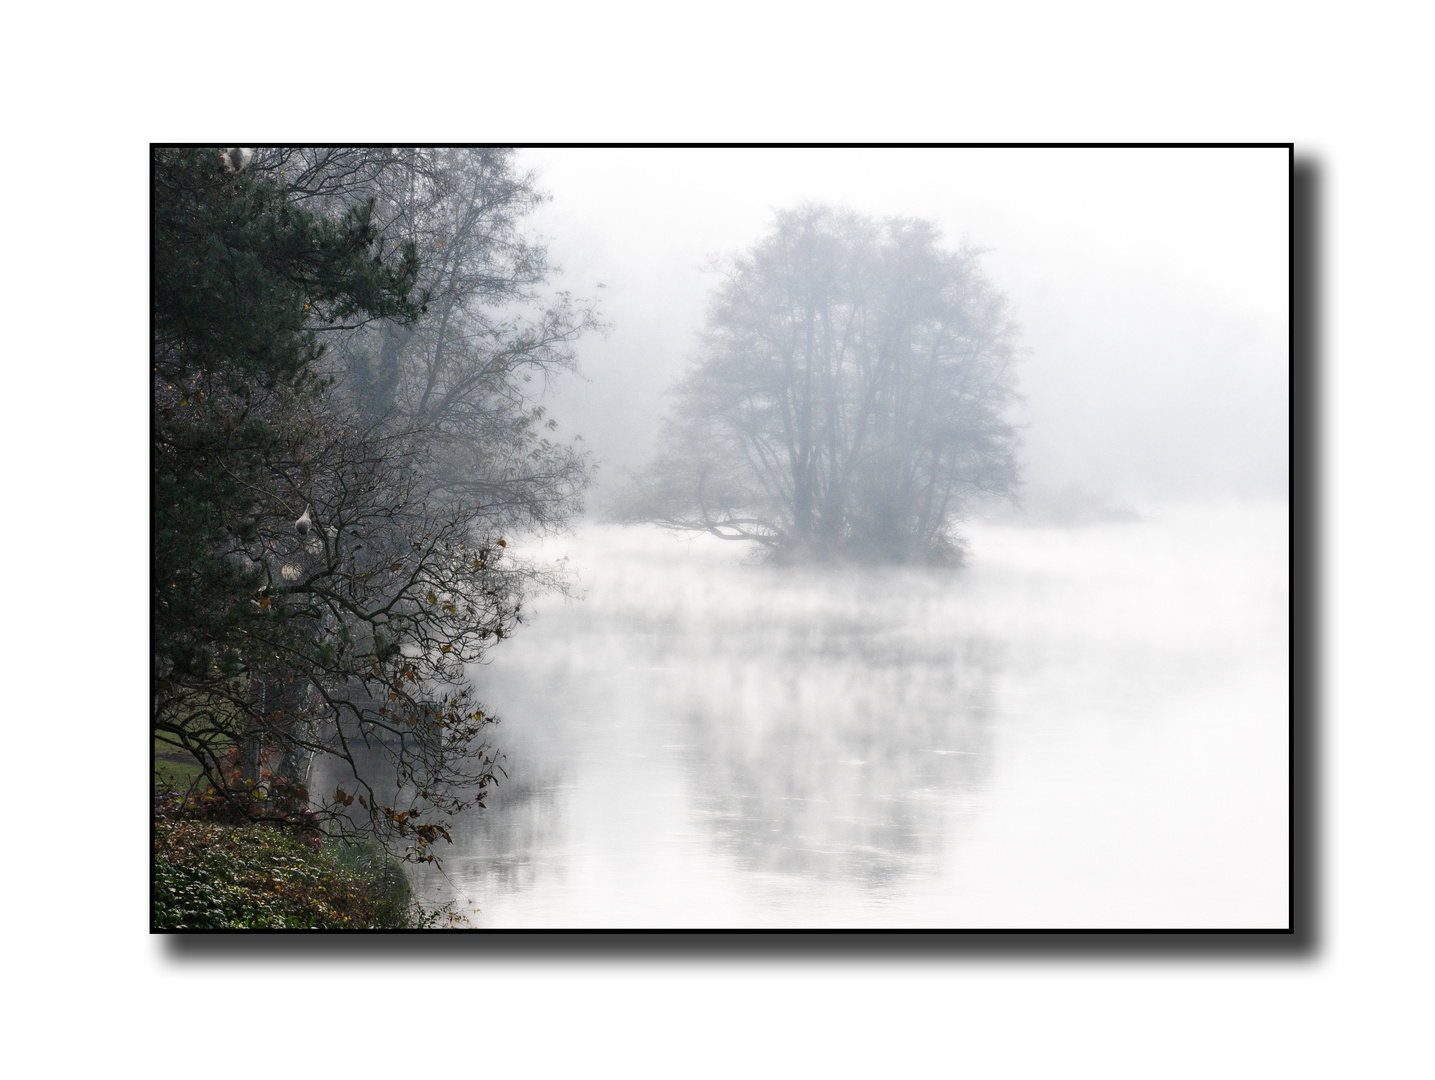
(849, 398)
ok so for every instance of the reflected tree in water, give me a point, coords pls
(841, 743)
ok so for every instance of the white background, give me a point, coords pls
(90, 993)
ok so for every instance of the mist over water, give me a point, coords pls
(1085, 727)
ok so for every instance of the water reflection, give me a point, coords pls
(700, 742)
(831, 726)
(837, 755)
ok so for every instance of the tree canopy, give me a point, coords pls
(342, 440)
(848, 399)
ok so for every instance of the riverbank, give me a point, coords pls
(214, 876)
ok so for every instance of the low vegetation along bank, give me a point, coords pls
(215, 875)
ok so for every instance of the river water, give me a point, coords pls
(1086, 727)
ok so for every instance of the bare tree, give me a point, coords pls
(466, 380)
(848, 399)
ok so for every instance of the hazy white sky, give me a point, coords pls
(1151, 286)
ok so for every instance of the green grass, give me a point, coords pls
(174, 769)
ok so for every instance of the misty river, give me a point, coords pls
(1085, 727)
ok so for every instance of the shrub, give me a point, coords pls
(211, 876)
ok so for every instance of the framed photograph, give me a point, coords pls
(796, 538)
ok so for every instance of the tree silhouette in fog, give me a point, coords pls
(848, 398)
(345, 428)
